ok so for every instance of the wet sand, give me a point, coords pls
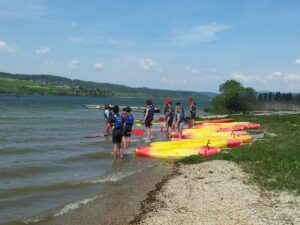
(120, 207)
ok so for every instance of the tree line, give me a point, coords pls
(278, 97)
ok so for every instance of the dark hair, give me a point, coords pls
(116, 109)
(148, 102)
(178, 103)
(170, 103)
(127, 109)
(106, 106)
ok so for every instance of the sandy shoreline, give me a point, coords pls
(216, 192)
(119, 207)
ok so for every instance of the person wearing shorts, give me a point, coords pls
(117, 133)
(193, 113)
(148, 119)
(128, 120)
(170, 118)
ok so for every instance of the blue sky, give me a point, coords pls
(179, 44)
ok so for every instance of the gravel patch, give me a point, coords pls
(218, 192)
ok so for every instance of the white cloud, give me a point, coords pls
(42, 50)
(98, 66)
(101, 40)
(73, 63)
(192, 70)
(204, 33)
(276, 80)
(274, 75)
(297, 61)
(173, 81)
(246, 78)
(5, 47)
(146, 64)
(292, 77)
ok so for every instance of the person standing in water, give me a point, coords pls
(128, 120)
(117, 133)
(148, 117)
(108, 117)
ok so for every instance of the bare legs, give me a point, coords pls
(118, 150)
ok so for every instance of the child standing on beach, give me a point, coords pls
(128, 120)
(117, 133)
(148, 119)
(193, 113)
(179, 119)
(170, 118)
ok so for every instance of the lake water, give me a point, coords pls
(45, 164)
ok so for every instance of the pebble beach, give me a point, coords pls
(216, 192)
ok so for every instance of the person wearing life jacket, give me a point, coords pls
(179, 118)
(108, 120)
(117, 133)
(193, 113)
(128, 120)
(170, 117)
(148, 117)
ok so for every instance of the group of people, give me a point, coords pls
(179, 116)
(121, 125)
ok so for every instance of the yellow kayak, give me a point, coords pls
(174, 153)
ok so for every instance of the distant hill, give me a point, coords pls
(56, 85)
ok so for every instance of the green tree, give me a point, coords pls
(234, 98)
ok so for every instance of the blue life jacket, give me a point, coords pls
(171, 114)
(118, 121)
(152, 109)
(150, 112)
(129, 119)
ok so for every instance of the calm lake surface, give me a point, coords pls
(46, 165)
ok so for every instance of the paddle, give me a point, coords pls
(168, 100)
(190, 101)
(137, 132)
(93, 136)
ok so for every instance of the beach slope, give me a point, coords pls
(217, 192)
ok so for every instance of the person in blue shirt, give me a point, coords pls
(128, 120)
(117, 133)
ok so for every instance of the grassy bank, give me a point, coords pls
(8, 85)
(275, 161)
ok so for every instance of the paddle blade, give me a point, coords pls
(190, 100)
(138, 132)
